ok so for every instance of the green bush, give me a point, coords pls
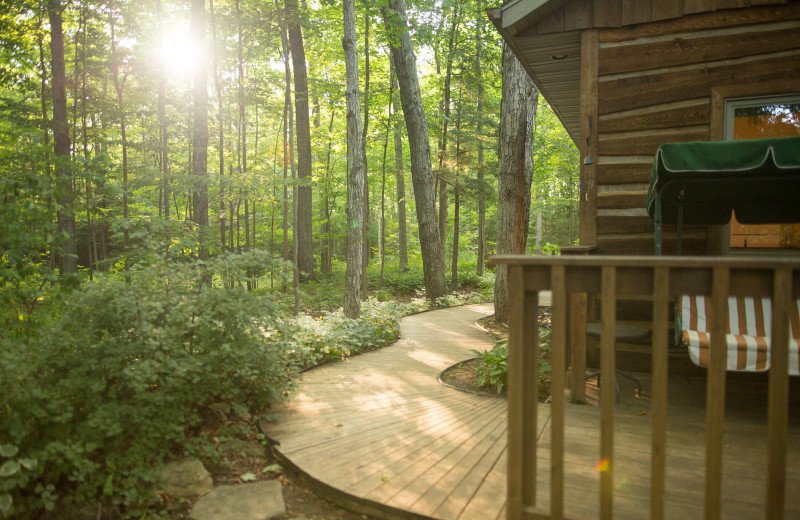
(333, 335)
(119, 382)
(492, 371)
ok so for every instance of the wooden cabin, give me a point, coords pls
(625, 76)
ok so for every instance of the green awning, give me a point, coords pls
(759, 179)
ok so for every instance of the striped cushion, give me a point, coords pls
(749, 327)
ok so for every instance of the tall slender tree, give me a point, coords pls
(479, 21)
(365, 249)
(220, 122)
(303, 226)
(119, 86)
(356, 172)
(400, 186)
(66, 215)
(200, 122)
(443, 180)
(405, 62)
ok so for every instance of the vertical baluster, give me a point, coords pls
(558, 367)
(608, 297)
(661, 303)
(715, 392)
(778, 395)
(523, 384)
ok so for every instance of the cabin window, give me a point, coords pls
(756, 118)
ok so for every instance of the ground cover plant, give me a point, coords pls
(491, 367)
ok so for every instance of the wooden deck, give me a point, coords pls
(379, 434)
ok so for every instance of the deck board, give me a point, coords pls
(381, 429)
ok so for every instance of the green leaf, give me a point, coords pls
(8, 450)
(108, 487)
(6, 501)
(29, 463)
(248, 477)
(272, 467)
(10, 467)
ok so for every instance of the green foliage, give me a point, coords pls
(492, 371)
(493, 368)
(410, 281)
(334, 336)
(95, 403)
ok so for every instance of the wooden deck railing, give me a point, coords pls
(663, 278)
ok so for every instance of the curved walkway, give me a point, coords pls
(379, 434)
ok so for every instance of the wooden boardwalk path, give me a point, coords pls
(377, 433)
(381, 428)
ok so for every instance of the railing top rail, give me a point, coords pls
(756, 263)
(689, 275)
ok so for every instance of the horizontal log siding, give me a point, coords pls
(654, 87)
(586, 14)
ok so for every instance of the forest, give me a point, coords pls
(195, 192)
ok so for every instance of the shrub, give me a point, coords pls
(493, 367)
(119, 382)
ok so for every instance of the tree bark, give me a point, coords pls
(433, 264)
(513, 185)
(479, 19)
(242, 134)
(303, 226)
(289, 121)
(532, 103)
(355, 167)
(443, 196)
(200, 127)
(119, 86)
(220, 122)
(66, 216)
(365, 248)
(402, 240)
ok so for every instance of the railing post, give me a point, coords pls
(777, 418)
(661, 301)
(608, 298)
(523, 389)
(715, 392)
(558, 349)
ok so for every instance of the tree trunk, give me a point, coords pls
(200, 127)
(402, 240)
(303, 225)
(220, 122)
(456, 201)
(355, 166)
(327, 245)
(532, 103)
(66, 216)
(443, 202)
(433, 264)
(365, 249)
(242, 135)
(479, 19)
(382, 228)
(119, 85)
(513, 188)
(287, 117)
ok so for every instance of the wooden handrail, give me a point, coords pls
(663, 278)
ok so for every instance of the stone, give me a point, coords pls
(240, 448)
(256, 501)
(186, 478)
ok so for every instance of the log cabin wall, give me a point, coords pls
(655, 85)
(658, 72)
